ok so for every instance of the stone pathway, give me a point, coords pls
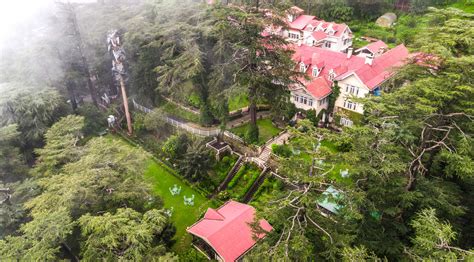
(267, 148)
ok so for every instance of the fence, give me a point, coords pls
(179, 124)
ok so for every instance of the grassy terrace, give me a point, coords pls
(161, 178)
(265, 127)
(336, 165)
(238, 101)
(242, 181)
(176, 111)
(222, 168)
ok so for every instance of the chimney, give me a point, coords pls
(369, 59)
(349, 52)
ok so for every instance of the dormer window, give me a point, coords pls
(302, 68)
(332, 75)
(315, 72)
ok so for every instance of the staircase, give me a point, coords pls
(265, 155)
(231, 174)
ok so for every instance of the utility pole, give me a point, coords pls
(118, 69)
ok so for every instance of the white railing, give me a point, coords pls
(235, 137)
(179, 124)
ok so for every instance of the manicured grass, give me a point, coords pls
(238, 101)
(266, 130)
(183, 216)
(242, 181)
(175, 111)
(463, 5)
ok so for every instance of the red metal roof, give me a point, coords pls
(301, 22)
(227, 229)
(338, 63)
(374, 47)
(319, 35)
(319, 88)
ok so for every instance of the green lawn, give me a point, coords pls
(238, 101)
(183, 216)
(222, 168)
(464, 5)
(266, 130)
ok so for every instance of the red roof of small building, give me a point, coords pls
(227, 229)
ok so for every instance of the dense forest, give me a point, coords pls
(73, 187)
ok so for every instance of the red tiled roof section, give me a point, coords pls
(301, 22)
(382, 66)
(337, 62)
(227, 229)
(319, 88)
(375, 46)
(319, 35)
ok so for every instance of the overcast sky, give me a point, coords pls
(14, 13)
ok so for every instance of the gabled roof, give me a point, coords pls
(374, 47)
(227, 229)
(295, 10)
(319, 88)
(319, 35)
(301, 22)
(337, 62)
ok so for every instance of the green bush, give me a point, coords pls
(251, 136)
(176, 146)
(237, 176)
(194, 100)
(281, 150)
(95, 120)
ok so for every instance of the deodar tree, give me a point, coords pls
(259, 64)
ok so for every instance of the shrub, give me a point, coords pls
(281, 150)
(237, 176)
(251, 136)
(95, 120)
(206, 117)
(175, 146)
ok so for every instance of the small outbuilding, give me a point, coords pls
(386, 20)
(225, 233)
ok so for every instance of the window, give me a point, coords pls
(304, 100)
(293, 35)
(346, 122)
(302, 68)
(350, 105)
(352, 90)
(315, 72)
(327, 44)
(310, 103)
(295, 98)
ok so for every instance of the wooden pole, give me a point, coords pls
(125, 105)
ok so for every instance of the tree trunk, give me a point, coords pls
(252, 106)
(72, 96)
(78, 37)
